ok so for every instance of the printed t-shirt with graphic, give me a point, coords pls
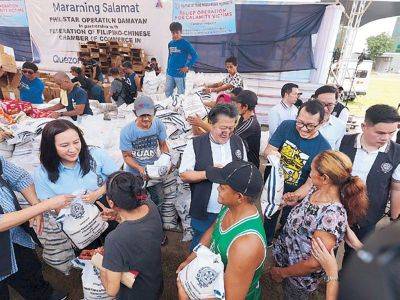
(178, 53)
(144, 144)
(297, 153)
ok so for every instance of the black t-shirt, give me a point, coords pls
(136, 245)
(250, 132)
(85, 82)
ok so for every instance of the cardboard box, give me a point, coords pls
(10, 79)
(47, 94)
(7, 59)
(106, 89)
(116, 61)
(9, 92)
(55, 92)
(138, 67)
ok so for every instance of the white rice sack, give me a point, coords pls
(168, 212)
(182, 206)
(81, 222)
(57, 248)
(272, 194)
(161, 86)
(93, 289)
(150, 83)
(264, 140)
(160, 168)
(203, 277)
(192, 105)
(6, 150)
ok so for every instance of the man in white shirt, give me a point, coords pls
(284, 110)
(376, 160)
(332, 128)
(233, 80)
(216, 148)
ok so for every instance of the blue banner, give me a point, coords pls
(205, 17)
(14, 30)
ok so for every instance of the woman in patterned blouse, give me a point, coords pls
(337, 199)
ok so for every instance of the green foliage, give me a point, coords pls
(379, 44)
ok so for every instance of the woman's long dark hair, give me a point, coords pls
(48, 152)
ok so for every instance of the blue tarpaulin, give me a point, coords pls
(268, 38)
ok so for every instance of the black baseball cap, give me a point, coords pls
(242, 176)
(247, 97)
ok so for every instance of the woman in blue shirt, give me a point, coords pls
(69, 165)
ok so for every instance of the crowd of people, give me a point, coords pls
(336, 185)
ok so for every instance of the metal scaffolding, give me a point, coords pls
(358, 8)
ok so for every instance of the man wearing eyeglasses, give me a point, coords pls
(31, 87)
(332, 128)
(297, 142)
(217, 148)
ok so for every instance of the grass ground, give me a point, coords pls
(381, 90)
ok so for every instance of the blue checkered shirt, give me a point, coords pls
(19, 179)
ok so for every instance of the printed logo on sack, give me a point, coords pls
(162, 171)
(386, 167)
(205, 276)
(96, 271)
(77, 210)
(238, 154)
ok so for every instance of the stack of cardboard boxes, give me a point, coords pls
(113, 54)
(51, 89)
(9, 76)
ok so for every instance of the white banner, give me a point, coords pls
(58, 27)
(205, 17)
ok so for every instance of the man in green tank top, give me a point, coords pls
(237, 234)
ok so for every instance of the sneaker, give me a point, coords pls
(58, 295)
(164, 242)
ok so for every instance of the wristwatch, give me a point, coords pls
(330, 278)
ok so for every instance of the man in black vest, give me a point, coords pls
(376, 160)
(216, 148)
(20, 267)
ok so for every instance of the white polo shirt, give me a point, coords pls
(333, 131)
(278, 114)
(364, 160)
(221, 155)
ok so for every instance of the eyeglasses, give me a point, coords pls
(329, 105)
(27, 71)
(309, 127)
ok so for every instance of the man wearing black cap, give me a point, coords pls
(248, 127)
(237, 234)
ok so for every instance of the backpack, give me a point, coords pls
(127, 91)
